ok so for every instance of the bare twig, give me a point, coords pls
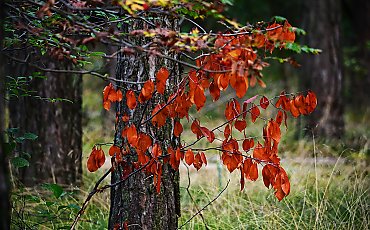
(209, 203)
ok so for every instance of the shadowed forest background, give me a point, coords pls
(326, 154)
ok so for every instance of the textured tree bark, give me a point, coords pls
(56, 154)
(136, 203)
(324, 72)
(4, 175)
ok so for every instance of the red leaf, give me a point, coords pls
(96, 159)
(264, 102)
(119, 95)
(248, 144)
(131, 134)
(227, 131)
(253, 172)
(214, 91)
(199, 98)
(197, 161)
(255, 112)
(159, 116)
(157, 151)
(114, 150)
(240, 125)
(189, 157)
(147, 91)
(106, 105)
(203, 157)
(177, 130)
(161, 79)
(131, 99)
(144, 142)
(195, 128)
(273, 130)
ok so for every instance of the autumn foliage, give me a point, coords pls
(234, 62)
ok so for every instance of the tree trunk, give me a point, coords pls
(135, 202)
(324, 72)
(56, 154)
(4, 176)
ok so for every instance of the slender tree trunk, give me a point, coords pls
(324, 72)
(136, 203)
(4, 176)
(56, 154)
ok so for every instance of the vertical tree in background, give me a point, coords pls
(136, 201)
(56, 155)
(4, 185)
(359, 73)
(324, 72)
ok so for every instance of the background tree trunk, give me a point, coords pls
(56, 154)
(4, 176)
(136, 202)
(324, 72)
(358, 77)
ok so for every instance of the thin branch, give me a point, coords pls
(87, 200)
(209, 203)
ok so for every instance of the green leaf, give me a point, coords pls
(19, 162)
(279, 19)
(56, 189)
(9, 147)
(30, 136)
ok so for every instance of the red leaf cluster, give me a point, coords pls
(111, 95)
(96, 159)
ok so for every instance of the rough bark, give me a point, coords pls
(324, 72)
(56, 154)
(136, 202)
(4, 176)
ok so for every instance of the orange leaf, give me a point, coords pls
(214, 91)
(273, 130)
(255, 112)
(241, 86)
(279, 117)
(119, 95)
(195, 128)
(227, 131)
(106, 105)
(253, 172)
(293, 109)
(131, 99)
(96, 159)
(144, 142)
(177, 130)
(264, 102)
(159, 116)
(203, 157)
(199, 98)
(259, 152)
(274, 32)
(189, 157)
(248, 144)
(208, 134)
(157, 151)
(161, 79)
(197, 161)
(240, 125)
(131, 134)
(147, 91)
(114, 150)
